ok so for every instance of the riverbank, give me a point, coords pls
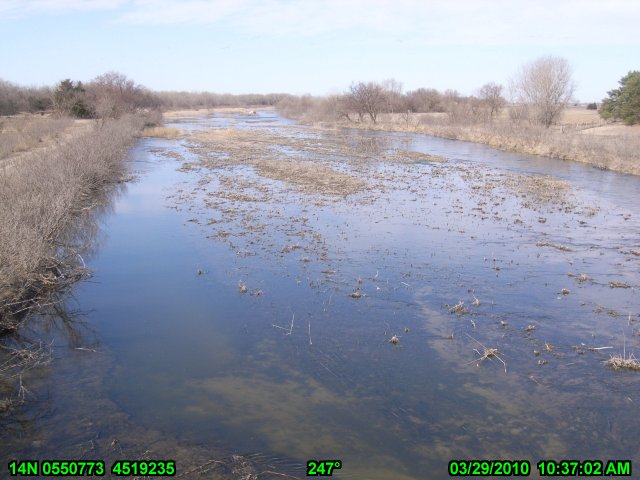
(608, 147)
(191, 112)
(46, 193)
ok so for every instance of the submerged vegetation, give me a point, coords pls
(624, 362)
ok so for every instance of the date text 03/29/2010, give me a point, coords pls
(546, 468)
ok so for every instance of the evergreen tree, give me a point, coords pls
(69, 99)
(624, 103)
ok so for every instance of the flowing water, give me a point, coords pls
(244, 320)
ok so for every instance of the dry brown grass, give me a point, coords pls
(25, 132)
(188, 112)
(41, 197)
(161, 132)
(487, 354)
(624, 362)
(581, 137)
(557, 246)
(615, 130)
(263, 150)
(311, 176)
(210, 111)
(580, 116)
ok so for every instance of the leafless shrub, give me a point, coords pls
(314, 109)
(112, 95)
(394, 100)
(40, 197)
(518, 113)
(366, 99)
(15, 99)
(491, 95)
(153, 118)
(467, 110)
(197, 100)
(425, 100)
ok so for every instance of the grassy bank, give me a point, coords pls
(619, 152)
(48, 195)
(43, 194)
(23, 133)
(603, 146)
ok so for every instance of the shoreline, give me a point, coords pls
(619, 153)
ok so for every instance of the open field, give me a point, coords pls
(580, 116)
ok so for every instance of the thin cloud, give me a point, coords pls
(436, 22)
(12, 9)
(465, 22)
(167, 12)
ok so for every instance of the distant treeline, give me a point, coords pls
(175, 100)
(113, 94)
(15, 99)
(367, 100)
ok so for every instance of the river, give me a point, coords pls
(397, 302)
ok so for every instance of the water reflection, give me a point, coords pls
(50, 321)
(295, 366)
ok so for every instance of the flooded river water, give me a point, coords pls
(267, 293)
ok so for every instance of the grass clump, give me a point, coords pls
(623, 362)
(161, 132)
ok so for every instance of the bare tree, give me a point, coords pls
(425, 100)
(352, 101)
(546, 86)
(394, 100)
(366, 99)
(15, 98)
(113, 94)
(491, 95)
(341, 105)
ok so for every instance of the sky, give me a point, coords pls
(316, 46)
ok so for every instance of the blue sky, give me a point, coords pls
(313, 46)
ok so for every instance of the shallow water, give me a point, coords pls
(219, 324)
